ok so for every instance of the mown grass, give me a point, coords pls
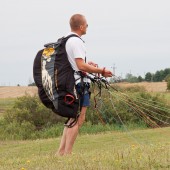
(135, 150)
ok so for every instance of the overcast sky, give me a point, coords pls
(132, 34)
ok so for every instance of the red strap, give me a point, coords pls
(84, 73)
(69, 99)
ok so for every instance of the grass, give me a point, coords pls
(6, 103)
(167, 96)
(138, 150)
(15, 131)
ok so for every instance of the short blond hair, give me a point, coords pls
(76, 20)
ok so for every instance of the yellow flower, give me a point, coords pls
(28, 161)
(23, 169)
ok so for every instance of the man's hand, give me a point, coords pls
(106, 73)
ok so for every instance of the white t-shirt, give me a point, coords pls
(75, 48)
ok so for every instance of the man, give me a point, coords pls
(76, 53)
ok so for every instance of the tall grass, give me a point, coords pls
(25, 131)
(6, 104)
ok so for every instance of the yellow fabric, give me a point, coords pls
(48, 52)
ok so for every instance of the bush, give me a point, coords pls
(30, 119)
(168, 84)
(15, 130)
(114, 107)
(30, 109)
(167, 78)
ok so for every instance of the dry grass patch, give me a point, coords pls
(17, 91)
(149, 86)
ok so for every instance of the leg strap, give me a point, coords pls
(72, 123)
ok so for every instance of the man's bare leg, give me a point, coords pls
(70, 138)
(62, 143)
(71, 133)
(82, 116)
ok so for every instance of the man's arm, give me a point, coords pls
(92, 69)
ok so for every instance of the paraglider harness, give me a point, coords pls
(54, 77)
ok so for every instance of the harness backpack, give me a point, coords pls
(54, 77)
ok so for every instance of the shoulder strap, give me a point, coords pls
(74, 35)
(71, 35)
(61, 40)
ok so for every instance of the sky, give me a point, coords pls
(133, 36)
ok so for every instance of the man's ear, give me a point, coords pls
(81, 27)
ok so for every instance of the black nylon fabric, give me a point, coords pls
(37, 74)
(64, 80)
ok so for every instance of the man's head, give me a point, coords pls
(78, 24)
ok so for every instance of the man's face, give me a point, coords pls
(83, 27)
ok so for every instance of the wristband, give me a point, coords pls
(103, 71)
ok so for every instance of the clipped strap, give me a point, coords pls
(69, 99)
(73, 123)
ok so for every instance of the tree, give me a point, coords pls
(161, 75)
(31, 84)
(166, 72)
(148, 77)
(157, 76)
(140, 79)
(130, 78)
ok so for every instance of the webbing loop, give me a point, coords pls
(69, 99)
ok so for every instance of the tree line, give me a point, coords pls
(158, 76)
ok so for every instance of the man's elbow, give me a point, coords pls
(80, 64)
(81, 68)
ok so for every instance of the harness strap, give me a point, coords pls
(71, 124)
(69, 99)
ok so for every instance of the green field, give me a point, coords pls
(135, 150)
